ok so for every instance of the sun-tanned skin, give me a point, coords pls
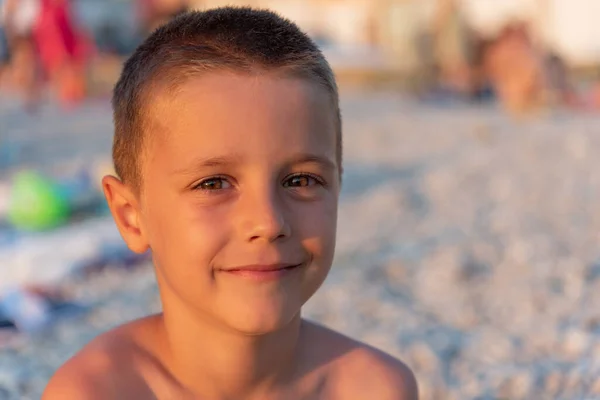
(239, 206)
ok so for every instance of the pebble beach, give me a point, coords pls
(467, 247)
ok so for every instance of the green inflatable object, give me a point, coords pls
(36, 203)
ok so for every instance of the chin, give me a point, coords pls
(260, 322)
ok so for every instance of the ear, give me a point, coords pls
(125, 210)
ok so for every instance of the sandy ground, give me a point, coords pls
(468, 247)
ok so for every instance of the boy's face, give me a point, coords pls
(240, 194)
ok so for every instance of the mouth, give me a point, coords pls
(263, 272)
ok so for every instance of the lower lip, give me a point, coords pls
(263, 275)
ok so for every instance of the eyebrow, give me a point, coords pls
(209, 162)
(313, 158)
(221, 161)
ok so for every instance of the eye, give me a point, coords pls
(302, 180)
(215, 183)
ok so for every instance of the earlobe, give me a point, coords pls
(124, 208)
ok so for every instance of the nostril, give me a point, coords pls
(279, 236)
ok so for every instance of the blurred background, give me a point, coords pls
(469, 222)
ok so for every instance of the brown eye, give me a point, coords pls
(213, 184)
(300, 181)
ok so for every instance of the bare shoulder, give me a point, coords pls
(360, 371)
(366, 372)
(100, 370)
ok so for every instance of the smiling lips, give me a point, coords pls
(263, 272)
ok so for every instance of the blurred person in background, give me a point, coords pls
(453, 47)
(515, 68)
(451, 55)
(63, 50)
(18, 18)
(558, 88)
(154, 13)
(45, 46)
(528, 77)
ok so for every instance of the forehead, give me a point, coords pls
(259, 115)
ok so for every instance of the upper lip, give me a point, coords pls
(263, 267)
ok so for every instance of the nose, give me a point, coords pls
(264, 216)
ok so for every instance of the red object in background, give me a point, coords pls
(62, 48)
(57, 40)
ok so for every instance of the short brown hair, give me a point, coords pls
(238, 39)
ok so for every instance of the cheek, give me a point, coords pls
(316, 226)
(208, 231)
(186, 240)
(186, 234)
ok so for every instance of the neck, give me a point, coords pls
(210, 359)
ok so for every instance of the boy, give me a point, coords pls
(228, 151)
